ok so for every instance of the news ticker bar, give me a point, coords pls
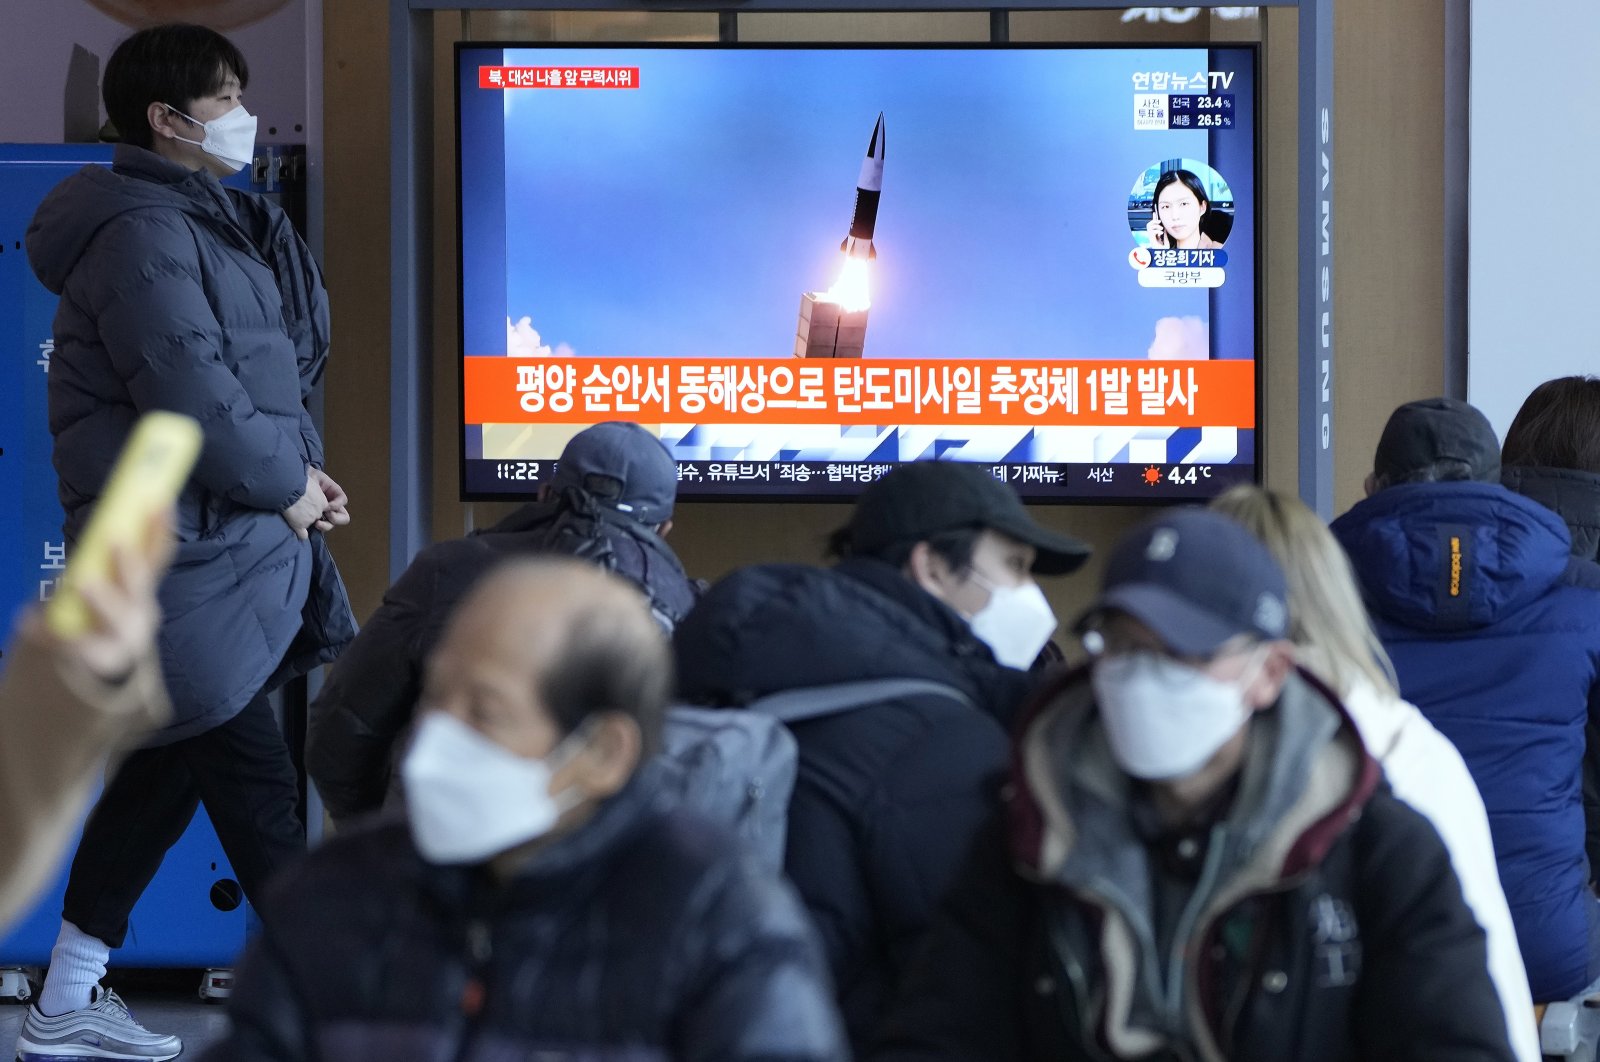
(847, 478)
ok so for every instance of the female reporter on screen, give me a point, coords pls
(1179, 204)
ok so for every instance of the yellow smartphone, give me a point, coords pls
(149, 473)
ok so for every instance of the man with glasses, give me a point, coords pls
(1199, 860)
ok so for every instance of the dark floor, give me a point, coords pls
(164, 1001)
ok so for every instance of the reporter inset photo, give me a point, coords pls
(1180, 203)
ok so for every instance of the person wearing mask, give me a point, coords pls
(936, 583)
(538, 899)
(609, 502)
(1198, 860)
(1494, 631)
(182, 295)
(1552, 455)
(66, 704)
(1334, 641)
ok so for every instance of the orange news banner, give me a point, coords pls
(930, 391)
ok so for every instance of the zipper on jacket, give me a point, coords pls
(1172, 994)
(1192, 969)
(474, 994)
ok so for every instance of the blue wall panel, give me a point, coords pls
(176, 923)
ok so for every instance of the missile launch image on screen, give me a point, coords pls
(833, 323)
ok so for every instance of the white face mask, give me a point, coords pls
(230, 139)
(469, 799)
(1165, 719)
(1015, 623)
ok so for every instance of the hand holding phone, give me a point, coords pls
(1158, 232)
(144, 483)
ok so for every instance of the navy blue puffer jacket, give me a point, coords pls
(1494, 629)
(178, 294)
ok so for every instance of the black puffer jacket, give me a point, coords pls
(644, 936)
(1325, 925)
(889, 796)
(179, 294)
(371, 694)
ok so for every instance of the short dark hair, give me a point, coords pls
(174, 64)
(1444, 470)
(1557, 427)
(955, 546)
(604, 666)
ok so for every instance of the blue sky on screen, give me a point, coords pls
(686, 217)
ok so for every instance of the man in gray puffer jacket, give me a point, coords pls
(179, 294)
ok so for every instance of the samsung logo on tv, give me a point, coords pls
(1187, 14)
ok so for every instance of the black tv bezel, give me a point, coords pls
(689, 494)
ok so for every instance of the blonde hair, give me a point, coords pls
(1327, 620)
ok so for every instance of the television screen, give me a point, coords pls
(802, 266)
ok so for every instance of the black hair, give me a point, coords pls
(174, 64)
(1558, 426)
(1444, 470)
(1188, 180)
(604, 666)
(955, 546)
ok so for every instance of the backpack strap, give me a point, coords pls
(815, 702)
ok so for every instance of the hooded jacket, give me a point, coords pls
(1494, 630)
(178, 294)
(1575, 497)
(643, 936)
(1325, 925)
(371, 694)
(889, 796)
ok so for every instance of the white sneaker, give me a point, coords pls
(103, 1029)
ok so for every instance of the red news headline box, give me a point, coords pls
(562, 77)
(927, 391)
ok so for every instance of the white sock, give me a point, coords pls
(77, 964)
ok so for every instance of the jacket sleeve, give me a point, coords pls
(958, 1000)
(267, 1018)
(759, 988)
(932, 807)
(1591, 787)
(165, 344)
(371, 696)
(1424, 994)
(312, 357)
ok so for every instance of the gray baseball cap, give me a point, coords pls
(621, 465)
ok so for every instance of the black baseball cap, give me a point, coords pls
(621, 465)
(924, 498)
(1437, 429)
(1196, 578)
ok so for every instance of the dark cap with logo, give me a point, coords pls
(1423, 433)
(925, 498)
(1197, 579)
(621, 465)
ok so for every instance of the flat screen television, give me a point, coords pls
(804, 265)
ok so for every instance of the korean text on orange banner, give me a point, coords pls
(892, 391)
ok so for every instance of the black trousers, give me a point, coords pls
(240, 770)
